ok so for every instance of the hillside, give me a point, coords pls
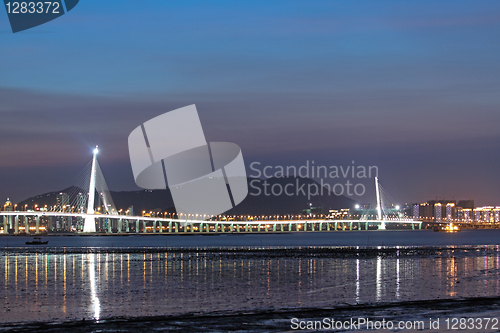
(252, 205)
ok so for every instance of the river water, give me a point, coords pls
(101, 277)
(334, 238)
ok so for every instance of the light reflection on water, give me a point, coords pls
(99, 285)
(93, 286)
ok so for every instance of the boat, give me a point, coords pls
(447, 228)
(36, 241)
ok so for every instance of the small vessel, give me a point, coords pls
(448, 228)
(36, 241)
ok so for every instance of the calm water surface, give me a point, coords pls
(48, 286)
(339, 238)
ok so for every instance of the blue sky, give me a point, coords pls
(409, 86)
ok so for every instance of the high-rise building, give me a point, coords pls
(477, 215)
(467, 215)
(438, 212)
(61, 206)
(7, 220)
(62, 201)
(450, 212)
(416, 211)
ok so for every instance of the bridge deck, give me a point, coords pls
(141, 224)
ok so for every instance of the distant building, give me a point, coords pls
(466, 204)
(416, 211)
(7, 207)
(81, 200)
(453, 211)
(312, 210)
(7, 220)
(438, 212)
(62, 201)
(488, 214)
(466, 215)
(450, 212)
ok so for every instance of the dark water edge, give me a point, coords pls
(347, 252)
(270, 320)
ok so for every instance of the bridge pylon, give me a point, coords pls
(89, 225)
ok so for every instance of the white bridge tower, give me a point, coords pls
(379, 206)
(89, 225)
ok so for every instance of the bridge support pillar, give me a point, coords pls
(258, 229)
(336, 226)
(37, 228)
(420, 226)
(216, 229)
(176, 227)
(161, 226)
(120, 226)
(274, 227)
(154, 226)
(312, 226)
(144, 227)
(26, 226)
(127, 226)
(169, 226)
(305, 226)
(232, 227)
(109, 222)
(328, 226)
(366, 225)
(413, 226)
(137, 226)
(16, 225)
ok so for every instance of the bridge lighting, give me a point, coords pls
(357, 206)
(96, 150)
(397, 207)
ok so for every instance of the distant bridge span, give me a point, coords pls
(112, 222)
(132, 224)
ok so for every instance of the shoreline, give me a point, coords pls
(272, 319)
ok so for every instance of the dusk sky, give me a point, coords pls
(410, 87)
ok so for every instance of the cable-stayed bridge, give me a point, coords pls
(80, 205)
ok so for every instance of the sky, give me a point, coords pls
(411, 87)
